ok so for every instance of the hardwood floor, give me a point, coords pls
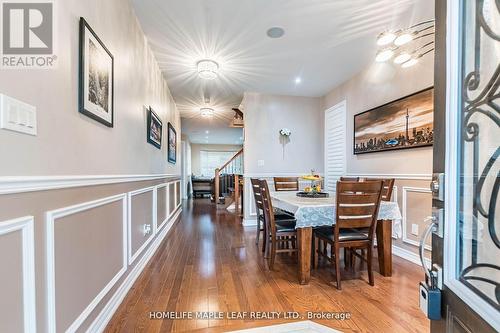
(209, 262)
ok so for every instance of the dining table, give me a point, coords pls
(311, 212)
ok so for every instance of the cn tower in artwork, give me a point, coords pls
(407, 121)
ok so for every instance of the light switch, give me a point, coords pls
(17, 116)
(260, 163)
(414, 229)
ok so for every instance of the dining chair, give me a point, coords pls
(278, 235)
(349, 179)
(286, 183)
(357, 205)
(387, 187)
(283, 218)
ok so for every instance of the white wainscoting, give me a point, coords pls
(16, 184)
(167, 213)
(25, 225)
(51, 219)
(103, 318)
(406, 190)
(133, 256)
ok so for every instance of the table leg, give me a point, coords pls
(384, 247)
(304, 236)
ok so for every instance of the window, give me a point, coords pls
(210, 160)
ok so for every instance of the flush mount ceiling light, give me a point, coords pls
(384, 55)
(207, 69)
(298, 80)
(402, 57)
(207, 112)
(393, 42)
(386, 38)
(275, 32)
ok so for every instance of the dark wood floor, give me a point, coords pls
(209, 262)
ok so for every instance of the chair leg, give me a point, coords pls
(353, 259)
(273, 254)
(265, 237)
(337, 266)
(258, 231)
(346, 258)
(315, 251)
(369, 260)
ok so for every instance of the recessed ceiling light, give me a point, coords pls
(275, 32)
(207, 69)
(207, 131)
(298, 80)
(207, 112)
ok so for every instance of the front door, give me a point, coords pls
(466, 177)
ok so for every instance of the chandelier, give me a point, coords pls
(207, 112)
(402, 47)
(207, 69)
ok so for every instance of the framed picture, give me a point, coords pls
(96, 81)
(172, 144)
(154, 129)
(401, 124)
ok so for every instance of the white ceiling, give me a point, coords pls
(218, 132)
(325, 43)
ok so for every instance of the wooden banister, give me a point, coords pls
(217, 176)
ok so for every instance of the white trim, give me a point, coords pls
(178, 194)
(26, 226)
(9, 185)
(453, 62)
(405, 190)
(409, 255)
(51, 218)
(103, 318)
(276, 174)
(400, 176)
(133, 256)
(250, 222)
(167, 213)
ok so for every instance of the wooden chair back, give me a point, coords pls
(357, 206)
(349, 179)
(387, 187)
(268, 208)
(257, 194)
(286, 183)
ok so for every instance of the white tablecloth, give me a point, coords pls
(316, 212)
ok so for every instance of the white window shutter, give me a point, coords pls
(335, 145)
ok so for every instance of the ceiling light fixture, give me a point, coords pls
(207, 69)
(298, 80)
(402, 57)
(207, 112)
(386, 38)
(392, 42)
(384, 55)
(275, 32)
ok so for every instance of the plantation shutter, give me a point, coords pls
(335, 145)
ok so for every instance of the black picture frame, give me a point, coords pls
(154, 129)
(96, 102)
(172, 144)
(378, 108)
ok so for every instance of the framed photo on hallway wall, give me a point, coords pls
(96, 81)
(401, 124)
(172, 144)
(155, 127)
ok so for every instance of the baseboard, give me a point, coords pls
(250, 222)
(103, 318)
(409, 255)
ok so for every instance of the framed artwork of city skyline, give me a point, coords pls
(401, 124)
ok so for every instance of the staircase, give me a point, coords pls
(228, 181)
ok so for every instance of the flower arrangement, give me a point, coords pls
(285, 132)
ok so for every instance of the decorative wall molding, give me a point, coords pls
(133, 256)
(25, 225)
(51, 218)
(397, 176)
(103, 318)
(278, 174)
(9, 185)
(406, 190)
(167, 213)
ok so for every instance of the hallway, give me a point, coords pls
(209, 263)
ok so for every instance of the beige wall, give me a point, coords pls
(377, 85)
(70, 143)
(195, 153)
(265, 115)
